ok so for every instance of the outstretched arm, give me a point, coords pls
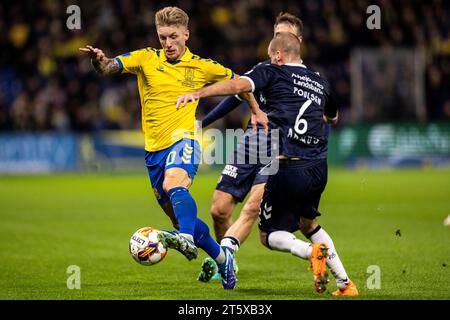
(102, 64)
(226, 88)
(222, 88)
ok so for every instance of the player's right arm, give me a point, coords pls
(225, 106)
(102, 64)
(224, 88)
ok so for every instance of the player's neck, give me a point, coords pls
(293, 62)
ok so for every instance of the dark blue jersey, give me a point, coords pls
(296, 100)
(260, 98)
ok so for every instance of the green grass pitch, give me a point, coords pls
(48, 223)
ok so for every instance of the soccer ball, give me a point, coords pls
(145, 248)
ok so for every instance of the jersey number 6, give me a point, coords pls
(299, 121)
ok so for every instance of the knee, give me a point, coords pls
(307, 226)
(168, 185)
(219, 213)
(174, 178)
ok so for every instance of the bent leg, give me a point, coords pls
(176, 184)
(242, 227)
(222, 208)
(313, 231)
(284, 241)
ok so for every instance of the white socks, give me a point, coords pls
(221, 257)
(287, 242)
(333, 262)
(230, 242)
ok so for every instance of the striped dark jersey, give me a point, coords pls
(296, 100)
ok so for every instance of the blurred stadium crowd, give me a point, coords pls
(47, 85)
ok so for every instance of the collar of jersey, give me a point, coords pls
(295, 65)
(185, 57)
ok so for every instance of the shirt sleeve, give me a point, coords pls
(259, 77)
(131, 62)
(215, 72)
(331, 107)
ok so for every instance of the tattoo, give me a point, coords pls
(106, 66)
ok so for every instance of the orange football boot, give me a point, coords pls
(349, 291)
(319, 266)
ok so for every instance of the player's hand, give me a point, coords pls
(94, 53)
(262, 119)
(185, 98)
(330, 121)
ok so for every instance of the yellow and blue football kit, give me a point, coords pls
(169, 133)
(170, 141)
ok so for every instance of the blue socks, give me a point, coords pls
(204, 240)
(185, 210)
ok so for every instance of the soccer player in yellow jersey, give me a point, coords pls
(172, 152)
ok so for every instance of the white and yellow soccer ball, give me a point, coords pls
(145, 248)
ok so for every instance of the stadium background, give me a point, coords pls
(58, 116)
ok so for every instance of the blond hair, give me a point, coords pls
(170, 16)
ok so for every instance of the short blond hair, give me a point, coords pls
(170, 16)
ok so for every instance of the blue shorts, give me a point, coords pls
(292, 193)
(184, 154)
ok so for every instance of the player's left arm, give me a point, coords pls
(331, 114)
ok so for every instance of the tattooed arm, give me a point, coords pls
(102, 65)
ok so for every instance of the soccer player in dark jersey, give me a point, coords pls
(240, 178)
(299, 105)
